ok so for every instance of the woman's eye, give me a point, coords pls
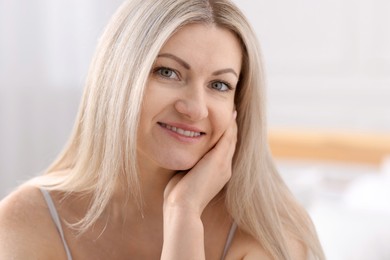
(221, 86)
(167, 73)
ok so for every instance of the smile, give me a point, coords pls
(180, 131)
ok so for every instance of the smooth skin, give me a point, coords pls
(191, 86)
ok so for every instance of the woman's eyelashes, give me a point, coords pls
(221, 86)
(167, 73)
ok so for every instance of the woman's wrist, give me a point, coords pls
(183, 234)
(185, 209)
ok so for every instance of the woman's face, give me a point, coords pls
(189, 98)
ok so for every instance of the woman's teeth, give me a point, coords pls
(181, 131)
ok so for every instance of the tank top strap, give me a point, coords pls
(56, 220)
(229, 239)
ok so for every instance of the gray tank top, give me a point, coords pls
(57, 222)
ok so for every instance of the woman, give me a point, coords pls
(169, 155)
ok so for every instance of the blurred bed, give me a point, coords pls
(343, 179)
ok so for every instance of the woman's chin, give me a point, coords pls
(182, 165)
(184, 168)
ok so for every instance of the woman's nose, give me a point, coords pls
(193, 104)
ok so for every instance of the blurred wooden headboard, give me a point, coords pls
(366, 148)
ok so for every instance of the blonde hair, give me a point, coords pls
(102, 148)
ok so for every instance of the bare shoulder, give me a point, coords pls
(247, 248)
(297, 249)
(26, 229)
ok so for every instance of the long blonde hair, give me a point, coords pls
(102, 148)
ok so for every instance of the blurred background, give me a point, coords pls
(328, 74)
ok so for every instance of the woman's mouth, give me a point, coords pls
(180, 131)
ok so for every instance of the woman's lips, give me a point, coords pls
(184, 131)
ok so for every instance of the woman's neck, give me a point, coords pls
(152, 181)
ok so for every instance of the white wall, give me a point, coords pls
(328, 62)
(328, 66)
(45, 50)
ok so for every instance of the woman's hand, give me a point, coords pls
(195, 189)
(187, 195)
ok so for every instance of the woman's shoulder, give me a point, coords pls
(246, 247)
(22, 207)
(26, 228)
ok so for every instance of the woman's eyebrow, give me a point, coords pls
(228, 70)
(187, 66)
(175, 58)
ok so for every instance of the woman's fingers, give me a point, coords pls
(200, 185)
(224, 150)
